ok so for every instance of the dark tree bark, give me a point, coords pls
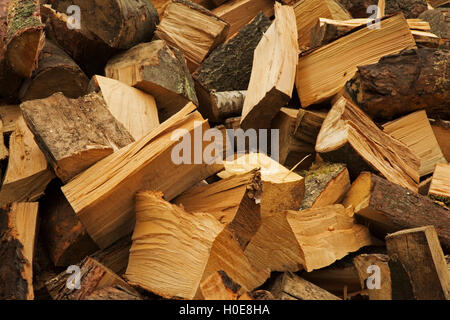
(439, 21)
(410, 8)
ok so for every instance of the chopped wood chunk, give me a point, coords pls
(219, 286)
(373, 271)
(440, 183)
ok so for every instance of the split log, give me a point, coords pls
(93, 132)
(228, 68)
(429, 40)
(28, 173)
(288, 286)
(93, 277)
(414, 130)
(234, 201)
(56, 72)
(145, 67)
(9, 114)
(281, 189)
(17, 237)
(273, 72)
(319, 80)
(135, 109)
(364, 264)
(308, 11)
(291, 149)
(120, 24)
(410, 8)
(25, 36)
(389, 207)
(349, 136)
(238, 13)
(191, 28)
(161, 5)
(418, 267)
(325, 184)
(309, 239)
(308, 124)
(441, 131)
(219, 286)
(115, 257)
(85, 48)
(66, 239)
(103, 195)
(405, 82)
(440, 184)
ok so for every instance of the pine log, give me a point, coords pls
(93, 277)
(234, 201)
(219, 286)
(84, 47)
(364, 264)
(227, 103)
(440, 184)
(414, 130)
(441, 131)
(291, 149)
(282, 189)
(309, 239)
(70, 149)
(325, 184)
(118, 23)
(349, 136)
(228, 68)
(145, 67)
(238, 13)
(318, 79)
(405, 82)
(9, 114)
(103, 195)
(389, 207)
(308, 11)
(66, 239)
(273, 72)
(418, 267)
(410, 8)
(288, 286)
(135, 109)
(191, 28)
(17, 238)
(56, 72)
(28, 173)
(25, 36)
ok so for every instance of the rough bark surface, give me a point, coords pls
(439, 21)
(410, 8)
(405, 82)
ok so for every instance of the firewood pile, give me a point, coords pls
(225, 150)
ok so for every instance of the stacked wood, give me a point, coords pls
(273, 72)
(292, 240)
(374, 269)
(195, 237)
(440, 184)
(227, 70)
(289, 286)
(308, 11)
(427, 280)
(106, 208)
(70, 149)
(93, 279)
(28, 173)
(317, 80)
(390, 207)
(383, 90)
(17, 239)
(135, 109)
(183, 25)
(238, 13)
(57, 72)
(325, 184)
(144, 67)
(414, 130)
(348, 135)
(281, 189)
